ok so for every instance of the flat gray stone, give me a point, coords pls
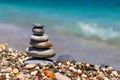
(41, 61)
(37, 31)
(37, 44)
(39, 38)
(41, 53)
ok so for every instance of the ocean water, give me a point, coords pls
(97, 21)
(91, 19)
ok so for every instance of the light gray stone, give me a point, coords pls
(41, 53)
(39, 38)
(36, 44)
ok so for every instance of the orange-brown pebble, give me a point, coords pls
(15, 71)
(49, 74)
(30, 66)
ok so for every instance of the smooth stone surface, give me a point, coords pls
(41, 53)
(41, 44)
(39, 38)
(60, 76)
(37, 31)
(65, 58)
(41, 61)
(38, 25)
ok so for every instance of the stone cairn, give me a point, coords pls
(40, 49)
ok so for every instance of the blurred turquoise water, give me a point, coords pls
(91, 19)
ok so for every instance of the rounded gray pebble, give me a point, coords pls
(65, 58)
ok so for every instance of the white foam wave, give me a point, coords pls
(92, 29)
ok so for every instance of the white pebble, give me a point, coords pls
(114, 73)
(68, 62)
(105, 78)
(59, 64)
(7, 75)
(103, 69)
(79, 71)
(87, 65)
(83, 76)
(34, 73)
(37, 67)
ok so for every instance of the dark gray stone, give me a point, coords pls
(41, 61)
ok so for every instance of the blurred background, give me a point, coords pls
(88, 30)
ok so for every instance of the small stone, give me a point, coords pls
(60, 76)
(30, 66)
(109, 68)
(15, 71)
(41, 44)
(96, 67)
(65, 58)
(114, 73)
(9, 69)
(41, 53)
(101, 74)
(105, 78)
(104, 66)
(39, 38)
(37, 31)
(73, 69)
(49, 74)
(34, 72)
(20, 75)
(38, 25)
(79, 71)
(83, 75)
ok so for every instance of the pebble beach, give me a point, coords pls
(13, 68)
(80, 40)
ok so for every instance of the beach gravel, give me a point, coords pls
(12, 67)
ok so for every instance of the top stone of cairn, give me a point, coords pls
(38, 25)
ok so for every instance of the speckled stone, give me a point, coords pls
(39, 38)
(46, 44)
(39, 52)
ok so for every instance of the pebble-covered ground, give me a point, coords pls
(12, 67)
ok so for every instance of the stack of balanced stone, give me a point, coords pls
(40, 49)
